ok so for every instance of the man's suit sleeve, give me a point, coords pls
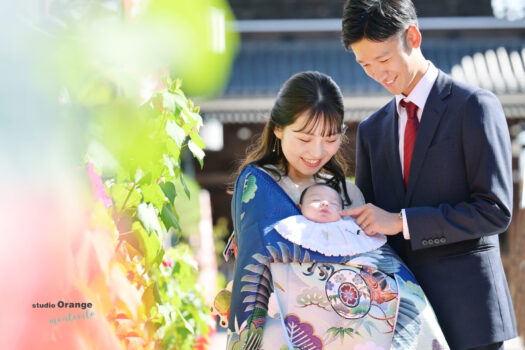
(363, 175)
(488, 169)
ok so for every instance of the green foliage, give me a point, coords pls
(109, 60)
(181, 307)
(147, 143)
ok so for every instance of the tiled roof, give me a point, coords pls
(351, 114)
(262, 66)
(497, 70)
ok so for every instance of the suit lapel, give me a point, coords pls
(392, 151)
(434, 108)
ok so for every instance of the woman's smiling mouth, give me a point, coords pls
(312, 163)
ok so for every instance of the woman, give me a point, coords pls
(324, 301)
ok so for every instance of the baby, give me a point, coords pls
(321, 203)
(321, 228)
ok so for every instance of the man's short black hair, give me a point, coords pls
(376, 20)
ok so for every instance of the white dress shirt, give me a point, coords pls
(418, 96)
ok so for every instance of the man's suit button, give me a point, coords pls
(424, 242)
(437, 240)
(443, 240)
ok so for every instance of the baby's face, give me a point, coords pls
(321, 204)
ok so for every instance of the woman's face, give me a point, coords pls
(306, 151)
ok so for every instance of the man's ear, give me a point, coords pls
(413, 37)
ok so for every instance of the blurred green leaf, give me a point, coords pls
(168, 101)
(175, 132)
(186, 323)
(198, 120)
(120, 191)
(169, 190)
(195, 137)
(189, 117)
(142, 178)
(175, 236)
(168, 217)
(170, 163)
(149, 244)
(187, 127)
(180, 99)
(186, 190)
(148, 217)
(153, 194)
(197, 152)
(151, 296)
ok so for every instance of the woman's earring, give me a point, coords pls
(276, 147)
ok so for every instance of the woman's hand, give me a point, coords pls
(375, 220)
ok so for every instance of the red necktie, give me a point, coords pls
(410, 136)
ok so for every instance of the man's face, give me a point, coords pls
(321, 204)
(391, 63)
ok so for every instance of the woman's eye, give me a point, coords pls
(383, 61)
(303, 140)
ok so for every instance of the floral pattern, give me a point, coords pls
(249, 189)
(348, 294)
(302, 334)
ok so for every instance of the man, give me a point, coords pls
(434, 165)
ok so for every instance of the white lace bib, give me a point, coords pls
(339, 238)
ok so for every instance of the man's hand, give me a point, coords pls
(375, 220)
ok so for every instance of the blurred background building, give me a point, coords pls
(283, 37)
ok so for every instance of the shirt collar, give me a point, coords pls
(420, 92)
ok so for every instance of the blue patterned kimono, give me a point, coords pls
(364, 301)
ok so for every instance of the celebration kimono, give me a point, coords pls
(360, 296)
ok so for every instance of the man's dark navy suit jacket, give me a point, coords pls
(458, 199)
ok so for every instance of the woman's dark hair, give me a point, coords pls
(317, 95)
(376, 20)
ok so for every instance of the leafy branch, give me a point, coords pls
(143, 193)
